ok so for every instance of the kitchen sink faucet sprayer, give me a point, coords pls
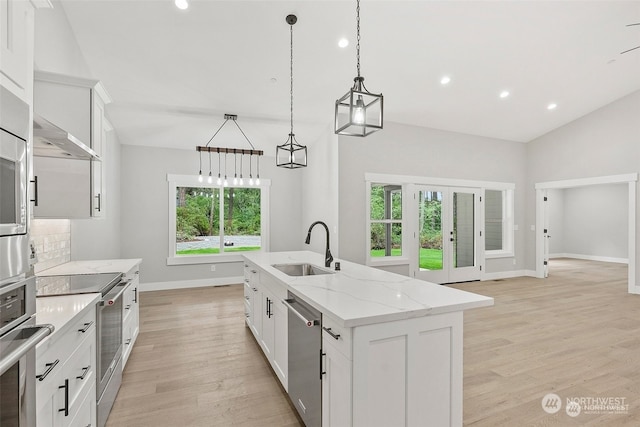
(327, 255)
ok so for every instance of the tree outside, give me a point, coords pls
(198, 220)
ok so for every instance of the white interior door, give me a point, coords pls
(546, 235)
(447, 235)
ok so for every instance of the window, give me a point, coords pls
(498, 223)
(210, 223)
(385, 221)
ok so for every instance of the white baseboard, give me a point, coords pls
(591, 258)
(503, 275)
(530, 273)
(180, 284)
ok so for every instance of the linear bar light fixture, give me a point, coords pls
(235, 151)
(291, 155)
(359, 112)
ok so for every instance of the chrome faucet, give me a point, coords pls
(327, 255)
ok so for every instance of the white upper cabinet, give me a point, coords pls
(16, 47)
(77, 106)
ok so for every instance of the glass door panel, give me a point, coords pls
(430, 242)
(446, 238)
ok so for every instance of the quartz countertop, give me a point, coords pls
(60, 310)
(92, 267)
(359, 295)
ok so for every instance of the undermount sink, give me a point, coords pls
(301, 269)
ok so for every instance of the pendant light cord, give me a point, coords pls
(358, 35)
(291, 69)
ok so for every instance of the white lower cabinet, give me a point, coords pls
(66, 376)
(336, 386)
(130, 313)
(399, 373)
(266, 317)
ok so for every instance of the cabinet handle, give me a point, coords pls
(322, 372)
(246, 265)
(35, 191)
(267, 301)
(328, 330)
(128, 307)
(50, 367)
(99, 202)
(246, 297)
(255, 289)
(127, 342)
(85, 371)
(135, 295)
(246, 280)
(254, 271)
(66, 398)
(86, 327)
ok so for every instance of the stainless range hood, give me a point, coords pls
(51, 141)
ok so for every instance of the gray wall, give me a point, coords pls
(145, 212)
(320, 192)
(604, 142)
(410, 150)
(589, 221)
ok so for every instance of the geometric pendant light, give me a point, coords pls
(359, 112)
(291, 155)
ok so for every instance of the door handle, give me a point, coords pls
(85, 371)
(66, 398)
(35, 191)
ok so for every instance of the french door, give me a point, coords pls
(448, 234)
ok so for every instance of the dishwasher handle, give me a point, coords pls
(310, 323)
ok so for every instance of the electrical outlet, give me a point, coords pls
(213, 268)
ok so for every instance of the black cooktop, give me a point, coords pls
(76, 284)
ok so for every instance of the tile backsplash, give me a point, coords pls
(52, 241)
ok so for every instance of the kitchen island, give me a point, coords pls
(391, 345)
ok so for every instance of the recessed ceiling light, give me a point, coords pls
(504, 94)
(445, 80)
(343, 42)
(182, 4)
(552, 106)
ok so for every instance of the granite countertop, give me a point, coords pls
(60, 310)
(360, 295)
(92, 267)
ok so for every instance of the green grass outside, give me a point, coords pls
(430, 259)
(207, 251)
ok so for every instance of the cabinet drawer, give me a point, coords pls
(338, 335)
(80, 369)
(251, 273)
(52, 354)
(85, 411)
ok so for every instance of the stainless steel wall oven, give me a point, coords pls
(18, 339)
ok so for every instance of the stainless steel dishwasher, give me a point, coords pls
(305, 352)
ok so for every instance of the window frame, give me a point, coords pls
(508, 210)
(175, 181)
(387, 260)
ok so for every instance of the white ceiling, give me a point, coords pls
(173, 74)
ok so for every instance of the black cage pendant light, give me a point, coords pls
(291, 155)
(359, 112)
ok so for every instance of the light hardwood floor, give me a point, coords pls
(576, 334)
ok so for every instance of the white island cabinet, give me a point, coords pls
(391, 345)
